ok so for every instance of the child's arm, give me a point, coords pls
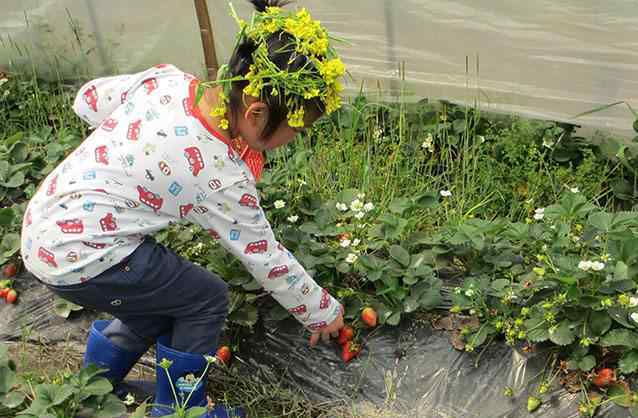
(236, 219)
(97, 99)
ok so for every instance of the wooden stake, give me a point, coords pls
(208, 38)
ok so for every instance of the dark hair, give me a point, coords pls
(284, 57)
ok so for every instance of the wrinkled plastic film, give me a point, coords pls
(544, 59)
(411, 370)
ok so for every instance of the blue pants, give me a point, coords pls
(155, 292)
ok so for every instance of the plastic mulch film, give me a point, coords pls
(412, 370)
(545, 59)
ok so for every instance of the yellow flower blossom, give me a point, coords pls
(295, 118)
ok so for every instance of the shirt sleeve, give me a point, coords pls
(234, 217)
(97, 99)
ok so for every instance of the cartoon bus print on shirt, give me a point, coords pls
(150, 85)
(316, 326)
(53, 185)
(213, 234)
(278, 271)
(109, 124)
(47, 257)
(298, 310)
(248, 201)
(195, 160)
(164, 168)
(325, 300)
(149, 198)
(71, 226)
(256, 247)
(90, 98)
(96, 245)
(107, 223)
(187, 108)
(102, 155)
(215, 184)
(133, 132)
(184, 210)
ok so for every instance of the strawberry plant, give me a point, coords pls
(69, 394)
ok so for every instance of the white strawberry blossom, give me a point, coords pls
(584, 265)
(359, 215)
(342, 207)
(356, 205)
(445, 193)
(633, 301)
(539, 214)
(356, 242)
(345, 243)
(597, 265)
(293, 218)
(634, 316)
(279, 204)
(351, 258)
(368, 206)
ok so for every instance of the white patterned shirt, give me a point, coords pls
(151, 161)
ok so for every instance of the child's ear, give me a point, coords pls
(257, 114)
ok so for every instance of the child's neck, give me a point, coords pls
(209, 101)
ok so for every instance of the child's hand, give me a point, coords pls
(331, 330)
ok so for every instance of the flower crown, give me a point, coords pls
(318, 78)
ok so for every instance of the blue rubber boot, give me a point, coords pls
(106, 355)
(184, 371)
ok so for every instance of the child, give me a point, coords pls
(167, 147)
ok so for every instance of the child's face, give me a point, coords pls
(254, 122)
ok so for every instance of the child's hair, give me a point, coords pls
(281, 52)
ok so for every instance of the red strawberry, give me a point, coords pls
(349, 351)
(9, 270)
(3, 292)
(369, 317)
(223, 354)
(604, 377)
(12, 295)
(345, 334)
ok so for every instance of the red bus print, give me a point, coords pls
(185, 209)
(277, 271)
(257, 247)
(150, 85)
(102, 155)
(149, 198)
(107, 223)
(53, 185)
(90, 97)
(298, 310)
(325, 300)
(249, 201)
(133, 132)
(96, 245)
(213, 234)
(215, 184)
(194, 158)
(71, 226)
(109, 124)
(47, 257)
(317, 326)
(123, 97)
(187, 107)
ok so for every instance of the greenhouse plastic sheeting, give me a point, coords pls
(411, 370)
(543, 58)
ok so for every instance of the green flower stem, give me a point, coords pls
(197, 383)
(170, 381)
